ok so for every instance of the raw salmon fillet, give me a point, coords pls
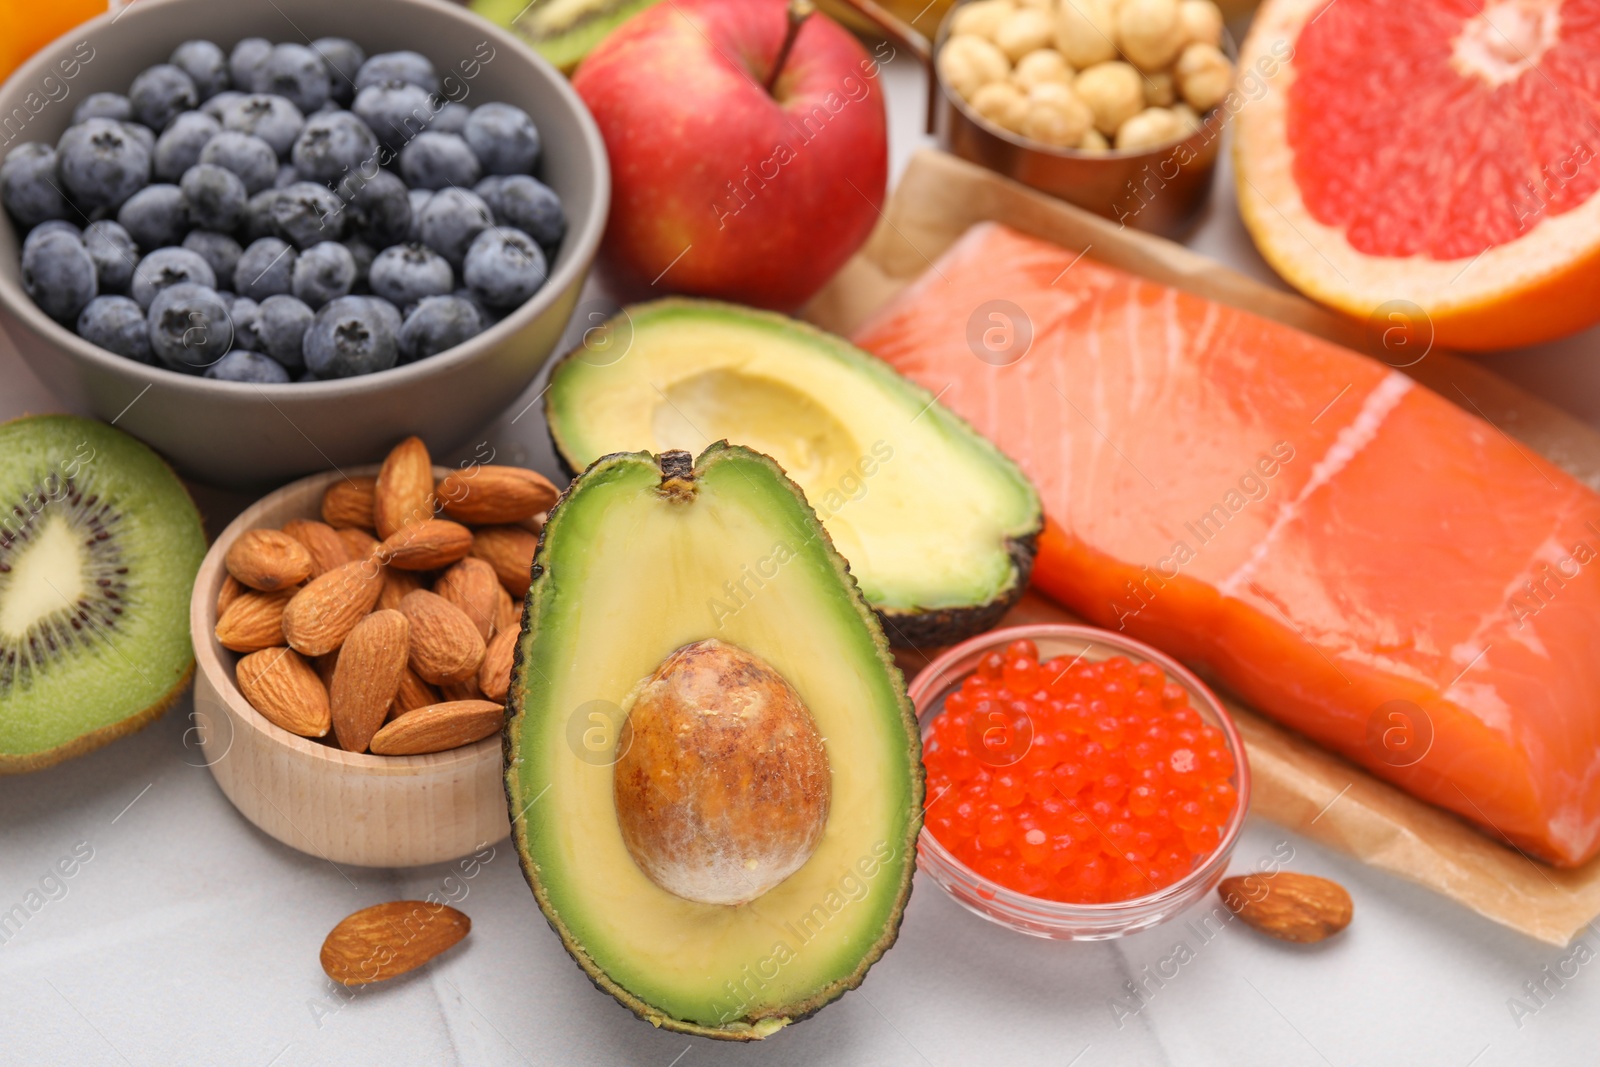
(1346, 550)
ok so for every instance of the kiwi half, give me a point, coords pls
(563, 31)
(99, 545)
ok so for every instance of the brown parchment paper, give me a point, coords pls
(1296, 784)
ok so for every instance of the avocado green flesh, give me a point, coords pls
(928, 512)
(116, 665)
(626, 574)
(563, 31)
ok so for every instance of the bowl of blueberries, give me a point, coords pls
(271, 236)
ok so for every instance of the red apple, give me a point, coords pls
(720, 188)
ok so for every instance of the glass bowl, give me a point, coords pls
(1051, 918)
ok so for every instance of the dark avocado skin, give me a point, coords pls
(681, 465)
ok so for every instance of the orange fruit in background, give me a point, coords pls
(28, 25)
(1437, 153)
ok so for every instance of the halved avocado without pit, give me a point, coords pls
(939, 526)
(717, 810)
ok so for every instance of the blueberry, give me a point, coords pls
(59, 275)
(116, 324)
(217, 249)
(258, 215)
(435, 324)
(436, 160)
(387, 313)
(141, 133)
(306, 213)
(274, 119)
(395, 113)
(164, 268)
(504, 267)
(362, 255)
(115, 254)
(398, 67)
(245, 59)
(205, 64)
(249, 157)
(486, 314)
(350, 336)
(379, 207)
(160, 93)
(189, 327)
(332, 146)
(101, 164)
(215, 197)
(179, 146)
(526, 204)
(450, 220)
(51, 226)
(246, 316)
(29, 187)
(244, 366)
(504, 139)
(287, 176)
(324, 272)
(295, 73)
(156, 216)
(281, 324)
(452, 118)
(419, 199)
(217, 107)
(265, 269)
(405, 274)
(343, 58)
(103, 106)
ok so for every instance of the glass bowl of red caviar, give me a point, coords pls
(1081, 785)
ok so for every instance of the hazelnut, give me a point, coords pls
(1114, 92)
(1086, 32)
(1204, 76)
(1026, 30)
(1040, 66)
(1056, 116)
(1002, 104)
(967, 63)
(1150, 128)
(1201, 20)
(1159, 90)
(1186, 115)
(981, 17)
(1149, 32)
(1094, 142)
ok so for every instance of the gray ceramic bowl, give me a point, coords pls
(234, 434)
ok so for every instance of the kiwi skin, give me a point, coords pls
(109, 437)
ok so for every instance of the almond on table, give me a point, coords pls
(1289, 906)
(390, 939)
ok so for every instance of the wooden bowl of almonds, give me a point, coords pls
(353, 635)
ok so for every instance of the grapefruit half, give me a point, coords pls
(1439, 153)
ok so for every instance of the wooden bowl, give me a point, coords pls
(348, 807)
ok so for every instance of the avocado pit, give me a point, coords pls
(723, 787)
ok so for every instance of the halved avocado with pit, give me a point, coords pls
(938, 524)
(632, 575)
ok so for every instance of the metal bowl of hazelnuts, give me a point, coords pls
(1117, 106)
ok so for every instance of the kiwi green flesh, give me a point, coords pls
(563, 31)
(99, 546)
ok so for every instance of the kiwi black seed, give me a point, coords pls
(99, 544)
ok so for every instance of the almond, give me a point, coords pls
(507, 612)
(231, 588)
(509, 550)
(372, 662)
(1289, 906)
(359, 544)
(426, 545)
(285, 690)
(445, 646)
(491, 494)
(268, 560)
(253, 621)
(390, 939)
(320, 615)
(494, 674)
(404, 493)
(414, 693)
(396, 584)
(467, 690)
(439, 727)
(349, 503)
(472, 586)
(325, 666)
(322, 541)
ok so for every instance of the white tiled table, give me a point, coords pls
(190, 937)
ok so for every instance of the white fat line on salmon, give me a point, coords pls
(1557, 566)
(1346, 446)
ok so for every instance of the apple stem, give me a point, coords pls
(799, 11)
